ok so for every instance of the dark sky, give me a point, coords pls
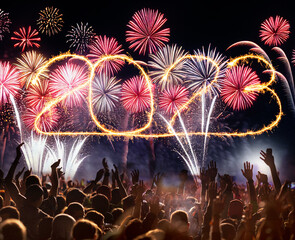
(193, 24)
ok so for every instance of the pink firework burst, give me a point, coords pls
(101, 46)
(233, 87)
(9, 81)
(274, 31)
(67, 78)
(136, 95)
(47, 122)
(26, 38)
(38, 95)
(146, 32)
(173, 98)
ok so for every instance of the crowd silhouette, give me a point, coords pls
(121, 206)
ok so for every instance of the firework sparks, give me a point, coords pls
(26, 38)
(50, 21)
(106, 93)
(173, 98)
(80, 36)
(47, 122)
(65, 79)
(167, 56)
(38, 95)
(28, 65)
(102, 46)
(4, 23)
(146, 33)
(135, 95)
(274, 31)
(233, 91)
(201, 72)
(9, 81)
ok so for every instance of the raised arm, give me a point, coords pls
(268, 158)
(13, 190)
(248, 174)
(54, 179)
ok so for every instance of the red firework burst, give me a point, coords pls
(27, 38)
(101, 46)
(136, 95)
(173, 98)
(68, 78)
(47, 122)
(233, 87)
(38, 95)
(146, 31)
(9, 81)
(274, 31)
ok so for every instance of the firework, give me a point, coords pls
(47, 122)
(80, 36)
(28, 65)
(9, 81)
(4, 23)
(233, 91)
(164, 58)
(201, 72)
(26, 38)
(106, 92)
(135, 95)
(34, 152)
(173, 98)
(70, 156)
(66, 78)
(38, 95)
(274, 31)
(145, 32)
(50, 21)
(101, 46)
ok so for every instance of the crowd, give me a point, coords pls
(117, 207)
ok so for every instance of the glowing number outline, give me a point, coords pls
(138, 132)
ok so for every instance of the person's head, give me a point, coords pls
(128, 202)
(100, 203)
(179, 221)
(45, 228)
(104, 190)
(76, 210)
(13, 229)
(164, 225)
(228, 231)
(116, 196)
(75, 195)
(85, 229)
(95, 217)
(117, 214)
(235, 209)
(62, 226)
(31, 180)
(9, 212)
(34, 195)
(133, 229)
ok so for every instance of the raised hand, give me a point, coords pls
(99, 175)
(212, 170)
(18, 152)
(248, 171)
(19, 173)
(115, 172)
(55, 164)
(105, 164)
(60, 173)
(135, 176)
(267, 157)
(204, 176)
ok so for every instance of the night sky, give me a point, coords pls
(193, 24)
